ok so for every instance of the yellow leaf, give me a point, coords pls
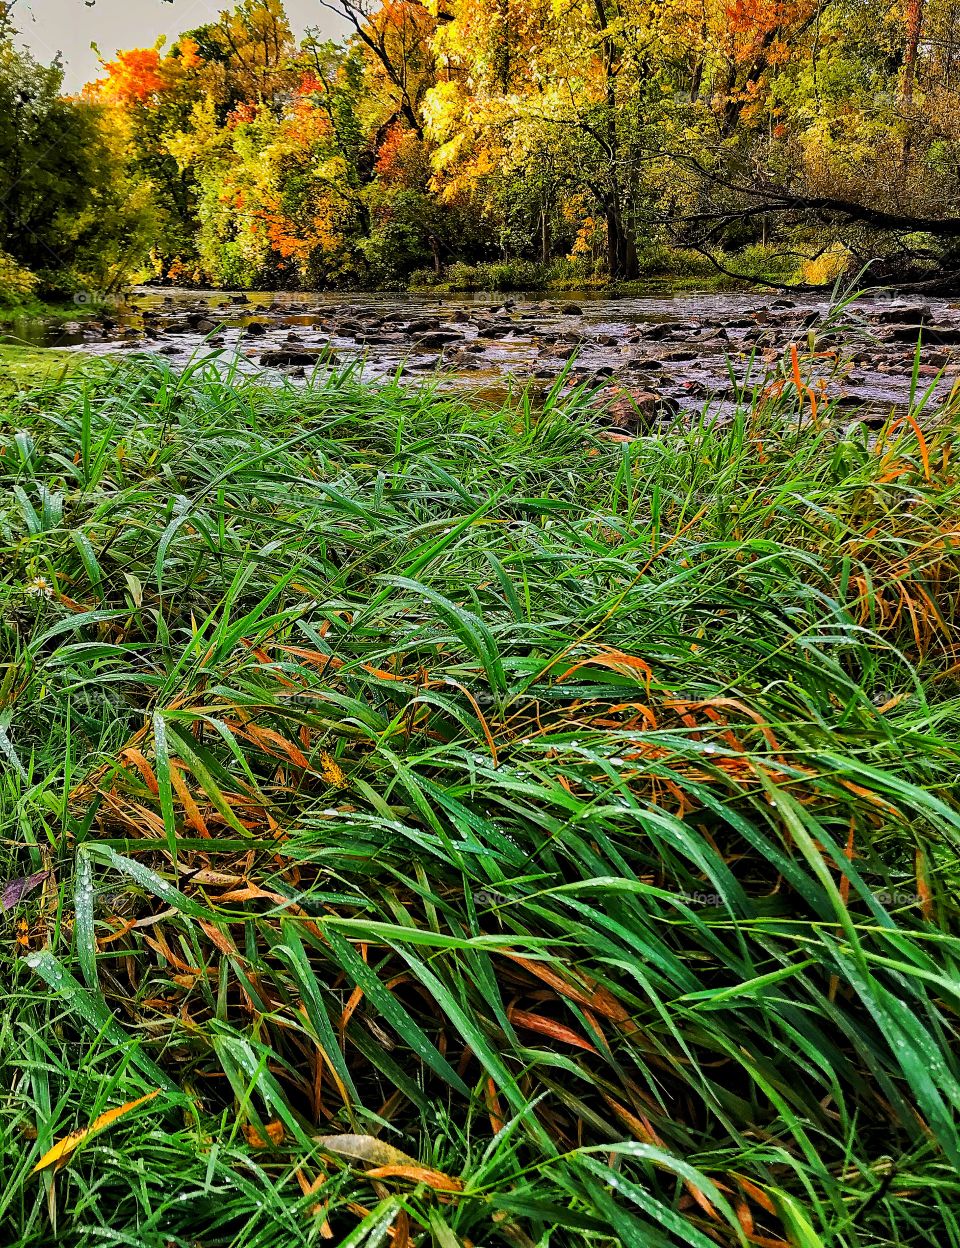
(333, 773)
(59, 1154)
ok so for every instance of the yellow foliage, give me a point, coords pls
(16, 282)
(61, 1152)
(828, 266)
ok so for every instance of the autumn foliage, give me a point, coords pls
(586, 138)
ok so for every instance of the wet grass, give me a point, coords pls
(479, 831)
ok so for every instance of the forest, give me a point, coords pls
(495, 144)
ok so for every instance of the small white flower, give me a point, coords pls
(40, 587)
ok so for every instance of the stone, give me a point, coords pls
(625, 409)
(917, 314)
(438, 338)
(941, 335)
(281, 356)
(657, 332)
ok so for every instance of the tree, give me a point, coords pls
(399, 36)
(61, 185)
(483, 129)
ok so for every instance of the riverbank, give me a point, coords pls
(13, 312)
(469, 823)
(22, 367)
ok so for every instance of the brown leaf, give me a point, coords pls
(419, 1174)
(366, 1148)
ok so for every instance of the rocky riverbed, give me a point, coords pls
(669, 354)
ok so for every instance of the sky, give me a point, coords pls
(69, 26)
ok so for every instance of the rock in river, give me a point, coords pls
(288, 355)
(438, 338)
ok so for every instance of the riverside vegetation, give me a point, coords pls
(434, 825)
(478, 144)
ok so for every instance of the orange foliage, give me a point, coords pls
(390, 160)
(310, 84)
(753, 24)
(242, 114)
(134, 77)
(190, 57)
(284, 237)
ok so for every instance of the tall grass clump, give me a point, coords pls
(475, 830)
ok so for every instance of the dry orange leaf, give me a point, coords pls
(419, 1174)
(60, 1153)
(255, 1139)
(548, 1027)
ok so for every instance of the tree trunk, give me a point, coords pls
(621, 248)
(914, 28)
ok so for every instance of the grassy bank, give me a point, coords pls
(13, 311)
(27, 367)
(660, 269)
(478, 831)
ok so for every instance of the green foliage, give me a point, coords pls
(70, 217)
(497, 275)
(530, 144)
(660, 259)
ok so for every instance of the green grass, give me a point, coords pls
(481, 832)
(13, 310)
(25, 367)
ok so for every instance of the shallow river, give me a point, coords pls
(679, 350)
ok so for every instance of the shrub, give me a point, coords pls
(828, 266)
(462, 276)
(17, 284)
(423, 277)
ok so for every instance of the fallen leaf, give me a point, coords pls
(14, 891)
(60, 1153)
(366, 1148)
(274, 1130)
(418, 1174)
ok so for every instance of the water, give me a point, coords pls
(686, 349)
